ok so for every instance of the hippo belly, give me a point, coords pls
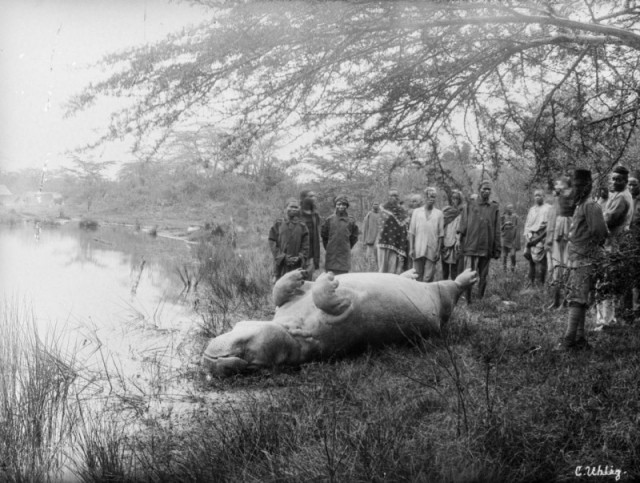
(335, 316)
(386, 308)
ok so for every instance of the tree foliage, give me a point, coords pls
(90, 176)
(547, 81)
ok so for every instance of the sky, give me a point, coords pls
(46, 51)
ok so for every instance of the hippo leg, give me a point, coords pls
(412, 274)
(288, 287)
(467, 278)
(327, 298)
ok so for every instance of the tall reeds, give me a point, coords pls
(232, 284)
(36, 379)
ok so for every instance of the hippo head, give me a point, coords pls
(250, 345)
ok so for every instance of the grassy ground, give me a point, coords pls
(491, 400)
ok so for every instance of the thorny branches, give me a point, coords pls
(549, 80)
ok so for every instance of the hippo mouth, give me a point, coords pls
(224, 366)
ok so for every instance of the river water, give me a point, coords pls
(112, 298)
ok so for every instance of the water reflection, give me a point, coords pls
(70, 274)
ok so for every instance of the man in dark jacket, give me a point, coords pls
(479, 236)
(311, 218)
(289, 241)
(339, 234)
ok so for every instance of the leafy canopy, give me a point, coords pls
(550, 81)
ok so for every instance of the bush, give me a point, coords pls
(232, 283)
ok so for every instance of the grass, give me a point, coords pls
(36, 384)
(233, 285)
(489, 401)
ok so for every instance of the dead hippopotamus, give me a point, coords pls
(336, 315)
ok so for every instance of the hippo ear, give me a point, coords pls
(288, 287)
(326, 298)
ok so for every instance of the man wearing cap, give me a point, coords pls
(289, 241)
(312, 220)
(586, 238)
(535, 231)
(479, 236)
(370, 229)
(426, 232)
(617, 215)
(339, 234)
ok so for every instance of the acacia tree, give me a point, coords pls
(91, 180)
(546, 80)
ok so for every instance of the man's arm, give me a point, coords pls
(616, 212)
(551, 227)
(440, 235)
(273, 239)
(462, 227)
(497, 243)
(324, 232)
(365, 225)
(353, 237)
(596, 222)
(527, 224)
(304, 244)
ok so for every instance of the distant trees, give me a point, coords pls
(90, 178)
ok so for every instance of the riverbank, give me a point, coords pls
(169, 225)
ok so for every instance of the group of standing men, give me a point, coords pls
(461, 235)
(295, 240)
(396, 238)
(566, 238)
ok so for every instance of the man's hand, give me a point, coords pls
(292, 261)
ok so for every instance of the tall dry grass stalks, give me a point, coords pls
(36, 379)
